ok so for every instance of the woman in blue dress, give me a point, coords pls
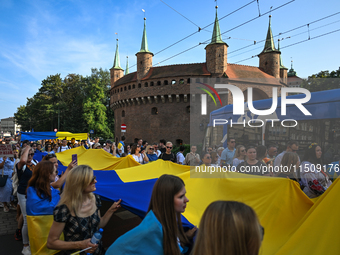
(7, 165)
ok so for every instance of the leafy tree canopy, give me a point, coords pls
(75, 104)
(323, 80)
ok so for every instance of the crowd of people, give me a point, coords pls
(71, 198)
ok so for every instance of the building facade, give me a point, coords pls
(9, 127)
(154, 102)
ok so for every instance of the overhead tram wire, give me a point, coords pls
(286, 31)
(289, 37)
(200, 29)
(306, 40)
(264, 39)
(228, 31)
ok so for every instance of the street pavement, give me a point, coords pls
(8, 225)
(121, 222)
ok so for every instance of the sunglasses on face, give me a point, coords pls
(232, 141)
(169, 147)
(93, 179)
(208, 157)
(151, 149)
(31, 154)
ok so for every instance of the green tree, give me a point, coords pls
(75, 104)
(95, 110)
(323, 80)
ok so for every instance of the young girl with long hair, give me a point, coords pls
(77, 214)
(161, 230)
(228, 227)
(41, 196)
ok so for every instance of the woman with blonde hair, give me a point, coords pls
(240, 155)
(289, 166)
(77, 214)
(228, 227)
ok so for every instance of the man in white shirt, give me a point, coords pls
(180, 156)
(63, 146)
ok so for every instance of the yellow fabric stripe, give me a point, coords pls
(69, 136)
(38, 230)
(98, 159)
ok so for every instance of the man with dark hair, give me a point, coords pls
(63, 146)
(292, 146)
(144, 144)
(157, 151)
(272, 152)
(180, 156)
(229, 152)
(162, 145)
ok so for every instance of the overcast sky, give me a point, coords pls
(39, 38)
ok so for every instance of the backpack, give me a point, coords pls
(15, 179)
(59, 149)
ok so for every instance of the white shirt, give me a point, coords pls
(180, 158)
(63, 148)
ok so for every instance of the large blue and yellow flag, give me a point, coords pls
(35, 136)
(293, 223)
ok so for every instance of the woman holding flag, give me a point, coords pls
(77, 214)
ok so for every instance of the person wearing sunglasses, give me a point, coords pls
(138, 155)
(77, 214)
(228, 227)
(24, 169)
(206, 159)
(240, 155)
(150, 153)
(229, 152)
(292, 146)
(168, 155)
(48, 148)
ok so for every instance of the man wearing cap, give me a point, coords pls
(108, 145)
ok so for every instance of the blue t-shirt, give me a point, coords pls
(41, 206)
(152, 157)
(228, 155)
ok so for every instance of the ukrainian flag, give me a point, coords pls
(34, 136)
(39, 220)
(293, 223)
